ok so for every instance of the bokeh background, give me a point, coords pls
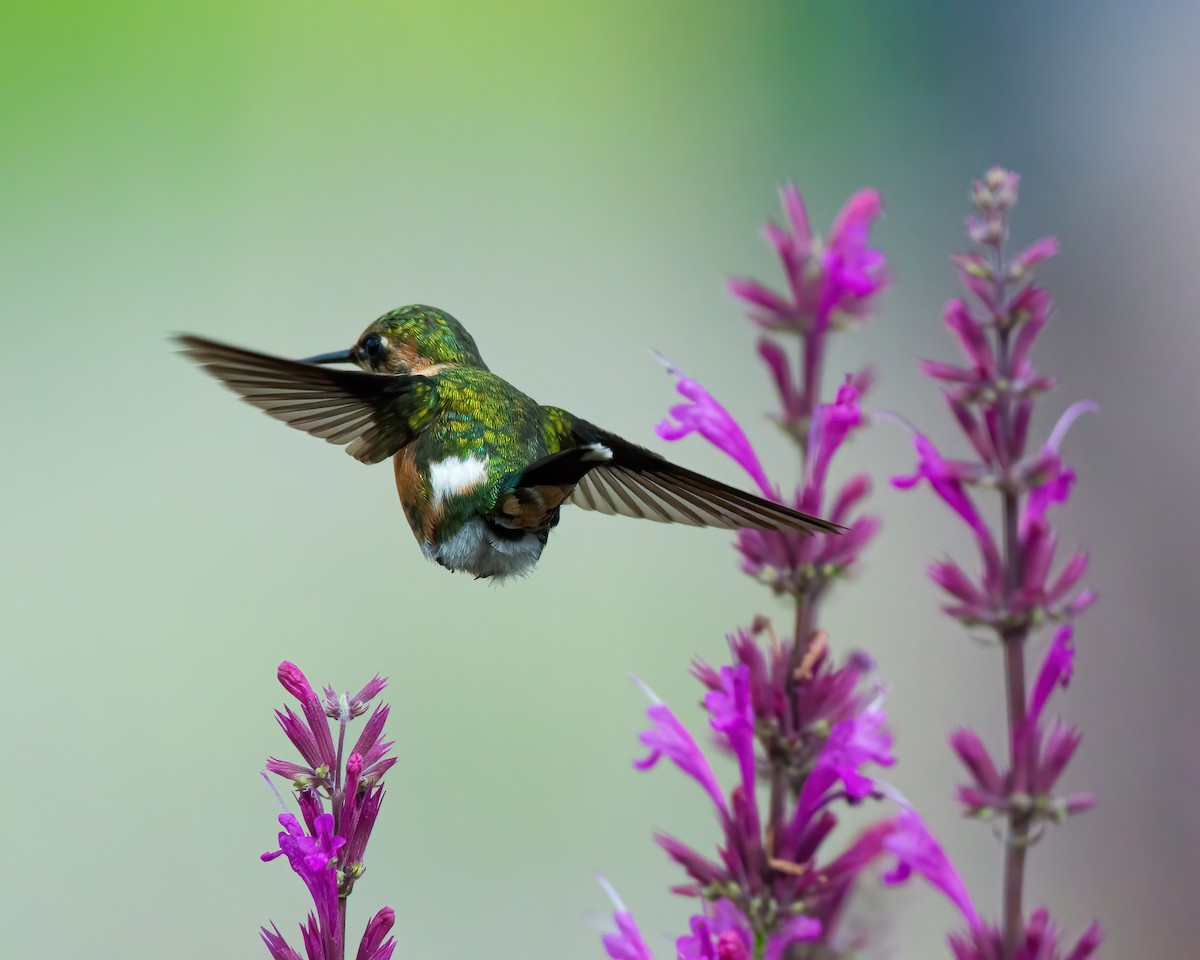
(574, 181)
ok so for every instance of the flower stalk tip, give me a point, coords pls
(325, 847)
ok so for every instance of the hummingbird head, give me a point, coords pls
(408, 340)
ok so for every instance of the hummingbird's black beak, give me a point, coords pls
(340, 356)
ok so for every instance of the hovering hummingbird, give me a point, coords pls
(482, 470)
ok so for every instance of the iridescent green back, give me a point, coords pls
(482, 415)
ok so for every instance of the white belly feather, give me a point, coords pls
(477, 548)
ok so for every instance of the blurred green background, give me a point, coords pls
(574, 182)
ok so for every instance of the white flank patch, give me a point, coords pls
(456, 475)
(598, 452)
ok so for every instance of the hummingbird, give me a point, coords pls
(482, 470)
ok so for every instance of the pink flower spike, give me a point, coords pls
(842, 279)
(1057, 669)
(704, 415)
(917, 851)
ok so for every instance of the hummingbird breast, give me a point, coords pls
(434, 502)
(451, 478)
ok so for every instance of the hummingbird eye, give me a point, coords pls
(372, 347)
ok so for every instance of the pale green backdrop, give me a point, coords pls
(573, 181)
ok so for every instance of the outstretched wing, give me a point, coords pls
(375, 414)
(613, 476)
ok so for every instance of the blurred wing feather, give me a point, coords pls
(375, 414)
(636, 482)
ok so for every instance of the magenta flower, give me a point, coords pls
(356, 705)
(704, 415)
(833, 424)
(949, 479)
(791, 562)
(710, 939)
(840, 276)
(918, 853)
(1056, 671)
(327, 851)
(723, 933)
(1041, 753)
(992, 400)
(801, 730)
(767, 874)
(310, 736)
(670, 738)
(374, 946)
(277, 946)
(313, 858)
(854, 743)
(834, 279)
(988, 792)
(732, 714)
(627, 942)
(794, 717)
